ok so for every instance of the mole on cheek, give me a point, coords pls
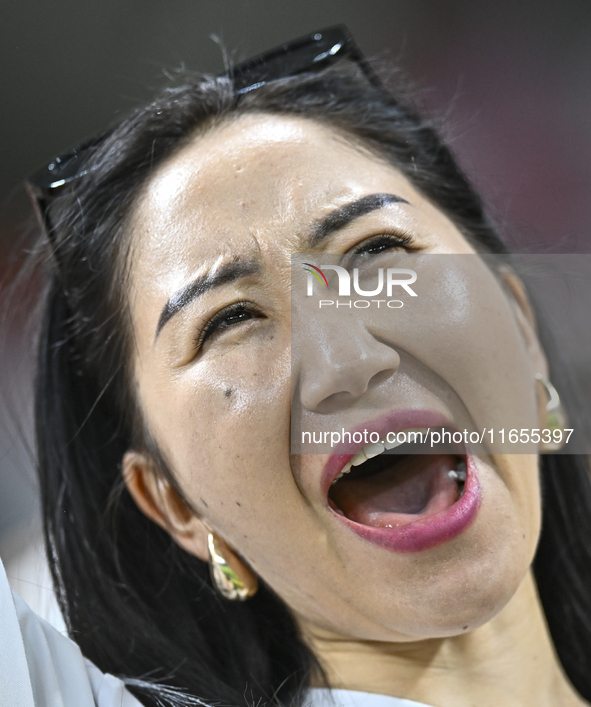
(228, 392)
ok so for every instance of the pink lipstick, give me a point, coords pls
(404, 502)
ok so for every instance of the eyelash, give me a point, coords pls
(232, 311)
(236, 310)
(403, 240)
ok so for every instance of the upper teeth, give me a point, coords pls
(374, 448)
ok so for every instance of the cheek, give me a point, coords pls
(519, 474)
(223, 426)
(224, 430)
(215, 416)
(472, 341)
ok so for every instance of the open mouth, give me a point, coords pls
(409, 500)
(390, 490)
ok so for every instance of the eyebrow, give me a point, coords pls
(343, 216)
(237, 269)
(229, 272)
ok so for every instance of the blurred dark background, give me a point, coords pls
(512, 81)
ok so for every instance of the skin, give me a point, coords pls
(458, 624)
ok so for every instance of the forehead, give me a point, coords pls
(254, 182)
(253, 168)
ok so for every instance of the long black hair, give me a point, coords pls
(138, 606)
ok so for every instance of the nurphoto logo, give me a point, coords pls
(393, 277)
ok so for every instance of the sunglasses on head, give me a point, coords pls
(310, 53)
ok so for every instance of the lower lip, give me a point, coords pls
(429, 532)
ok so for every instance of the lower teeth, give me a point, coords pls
(459, 476)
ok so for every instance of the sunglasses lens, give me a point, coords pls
(50, 179)
(310, 53)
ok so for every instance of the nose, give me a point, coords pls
(340, 360)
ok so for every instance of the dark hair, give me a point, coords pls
(137, 605)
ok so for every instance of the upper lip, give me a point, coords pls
(394, 421)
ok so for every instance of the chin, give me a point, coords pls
(451, 589)
(449, 607)
(467, 589)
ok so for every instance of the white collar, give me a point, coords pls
(323, 697)
(41, 668)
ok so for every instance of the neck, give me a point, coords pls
(510, 661)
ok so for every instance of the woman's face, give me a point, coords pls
(213, 236)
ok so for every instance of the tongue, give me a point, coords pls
(413, 487)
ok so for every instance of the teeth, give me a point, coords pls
(359, 458)
(373, 449)
(458, 474)
(343, 471)
(461, 470)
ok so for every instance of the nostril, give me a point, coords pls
(380, 377)
(335, 402)
(334, 377)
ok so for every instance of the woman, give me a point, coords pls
(163, 413)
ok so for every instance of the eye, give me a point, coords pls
(230, 316)
(382, 243)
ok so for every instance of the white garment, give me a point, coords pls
(322, 697)
(41, 668)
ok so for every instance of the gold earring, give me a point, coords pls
(555, 416)
(229, 574)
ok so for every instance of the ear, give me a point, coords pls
(156, 498)
(526, 320)
(527, 323)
